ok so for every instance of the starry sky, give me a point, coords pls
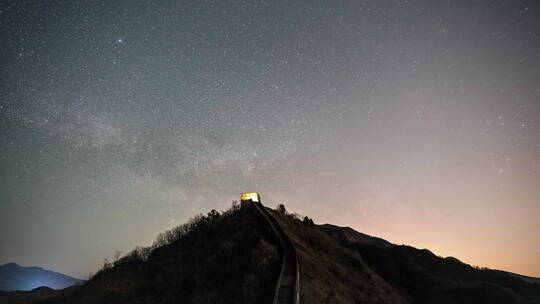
(415, 121)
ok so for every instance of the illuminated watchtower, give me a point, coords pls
(249, 197)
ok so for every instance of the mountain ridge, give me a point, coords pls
(232, 257)
(360, 237)
(15, 277)
(413, 275)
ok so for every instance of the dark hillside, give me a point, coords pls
(218, 258)
(341, 265)
(431, 279)
(233, 257)
(427, 278)
(19, 296)
(330, 273)
(349, 235)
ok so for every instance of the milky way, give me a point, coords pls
(411, 120)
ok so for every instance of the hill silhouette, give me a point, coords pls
(15, 277)
(426, 278)
(228, 257)
(340, 265)
(233, 257)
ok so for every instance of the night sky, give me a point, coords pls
(415, 121)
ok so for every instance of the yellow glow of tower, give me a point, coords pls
(250, 196)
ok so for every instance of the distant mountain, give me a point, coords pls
(15, 277)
